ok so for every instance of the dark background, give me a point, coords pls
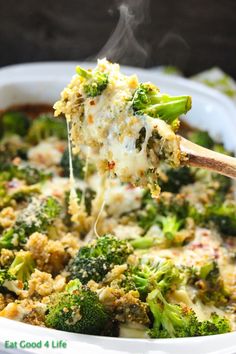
(193, 35)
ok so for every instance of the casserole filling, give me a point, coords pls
(107, 258)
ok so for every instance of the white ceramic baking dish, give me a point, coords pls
(42, 83)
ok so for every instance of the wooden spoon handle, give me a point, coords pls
(198, 156)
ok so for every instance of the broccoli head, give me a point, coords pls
(170, 212)
(45, 126)
(16, 276)
(173, 179)
(216, 325)
(171, 320)
(210, 285)
(5, 276)
(31, 175)
(148, 100)
(223, 216)
(150, 274)
(22, 266)
(77, 311)
(95, 81)
(14, 123)
(95, 260)
(38, 216)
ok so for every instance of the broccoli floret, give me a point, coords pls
(170, 320)
(5, 276)
(45, 126)
(148, 100)
(78, 165)
(85, 269)
(169, 231)
(12, 238)
(14, 123)
(170, 225)
(169, 212)
(223, 216)
(216, 325)
(19, 271)
(95, 260)
(210, 285)
(201, 138)
(31, 175)
(149, 275)
(95, 81)
(24, 193)
(22, 266)
(38, 215)
(12, 146)
(174, 179)
(77, 311)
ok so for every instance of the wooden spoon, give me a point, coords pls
(198, 156)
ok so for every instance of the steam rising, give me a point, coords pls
(123, 46)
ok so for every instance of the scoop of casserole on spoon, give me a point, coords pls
(129, 128)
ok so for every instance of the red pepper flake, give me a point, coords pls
(111, 165)
(92, 103)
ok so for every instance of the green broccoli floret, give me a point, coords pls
(201, 138)
(96, 81)
(170, 320)
(45, 126)
(169, 214)
(149, 275)
(5, 276)
(148, 100)
(38, 216)
(223, 216)
(78, 165)
(24, 193)
(14, 123)
(216, 325)
(85, 269)
(170, 231)
(170, 225)
(20, 270)
(95, 260)
(210, 285)
(174, 179)
(31, 175)
(22, 266)
(77, 311)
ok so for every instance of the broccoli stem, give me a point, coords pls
(143, 242)
(168, 107)
(84, 73)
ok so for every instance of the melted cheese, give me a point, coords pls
(107, 125)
